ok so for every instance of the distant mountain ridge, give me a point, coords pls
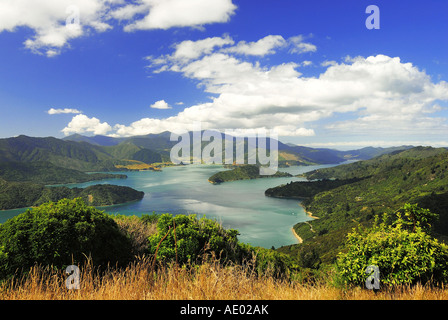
(162, 144)
(108, 154)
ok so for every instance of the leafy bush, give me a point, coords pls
(403, 254)
(268, 262)
(191, 238)
(195, 239)
(60, 234)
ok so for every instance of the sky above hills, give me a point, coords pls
(311, 70)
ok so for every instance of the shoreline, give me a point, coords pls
(308, 213)
(297, 236)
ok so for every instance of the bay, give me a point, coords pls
(242, 205)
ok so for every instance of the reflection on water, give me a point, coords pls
(241, 205)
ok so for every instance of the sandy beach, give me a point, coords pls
(309, 213)
(296, 235)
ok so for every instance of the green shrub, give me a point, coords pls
(199, 238)
(60, 234)
(403, 254)
(192, 239)
(268, 261)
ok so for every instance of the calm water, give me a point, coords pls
(241, 205)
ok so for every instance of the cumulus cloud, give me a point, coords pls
(376, 95)
(83, 124)
(262, 47)
(380, 95)
(307, 63)
(174, 13)
(269, 44)
(190, 50)
(328, 63)
(56, 23)
(299, 46)
(62, 111)
(161, 104)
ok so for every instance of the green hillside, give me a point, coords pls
(24, 194)
(379, 185)
(67, 154)
(47, 173)
(154, 148)
(243, 172)
(77, 155)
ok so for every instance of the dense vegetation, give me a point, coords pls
(24, 194)
(188, 240)
(101, 154)
(48, 173)
(60, 234)
(386, 183)
(77, 155)
(305, 189)
(243, 172)
(69, 231)
(344, 197)
(402, 250)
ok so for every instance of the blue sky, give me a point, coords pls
(310, 70)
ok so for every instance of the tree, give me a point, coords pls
(404, 255)
(309, 258)
(415, 216)
(186, 238)
(60, 234)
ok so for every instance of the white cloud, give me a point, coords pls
(262, 47)
(328, 63)
(56, 23)
(379, 94)
(62, 111)
(299, 46)
(175, 13)
(161, 104)
(189, 50)
(270, 43)
(307, 63)
(83, 124)
(48, 19)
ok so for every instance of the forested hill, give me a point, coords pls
(81, 156)
(404, 159)
(383, 184)
(20, 194)
(100, 153)
(47, 173)
(243, 172)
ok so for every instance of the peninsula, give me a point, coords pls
(243, 172)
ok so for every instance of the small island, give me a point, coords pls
(15, 195)
(243, 172)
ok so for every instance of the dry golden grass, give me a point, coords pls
(137, 165)
(209, 281)
(137, 231)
